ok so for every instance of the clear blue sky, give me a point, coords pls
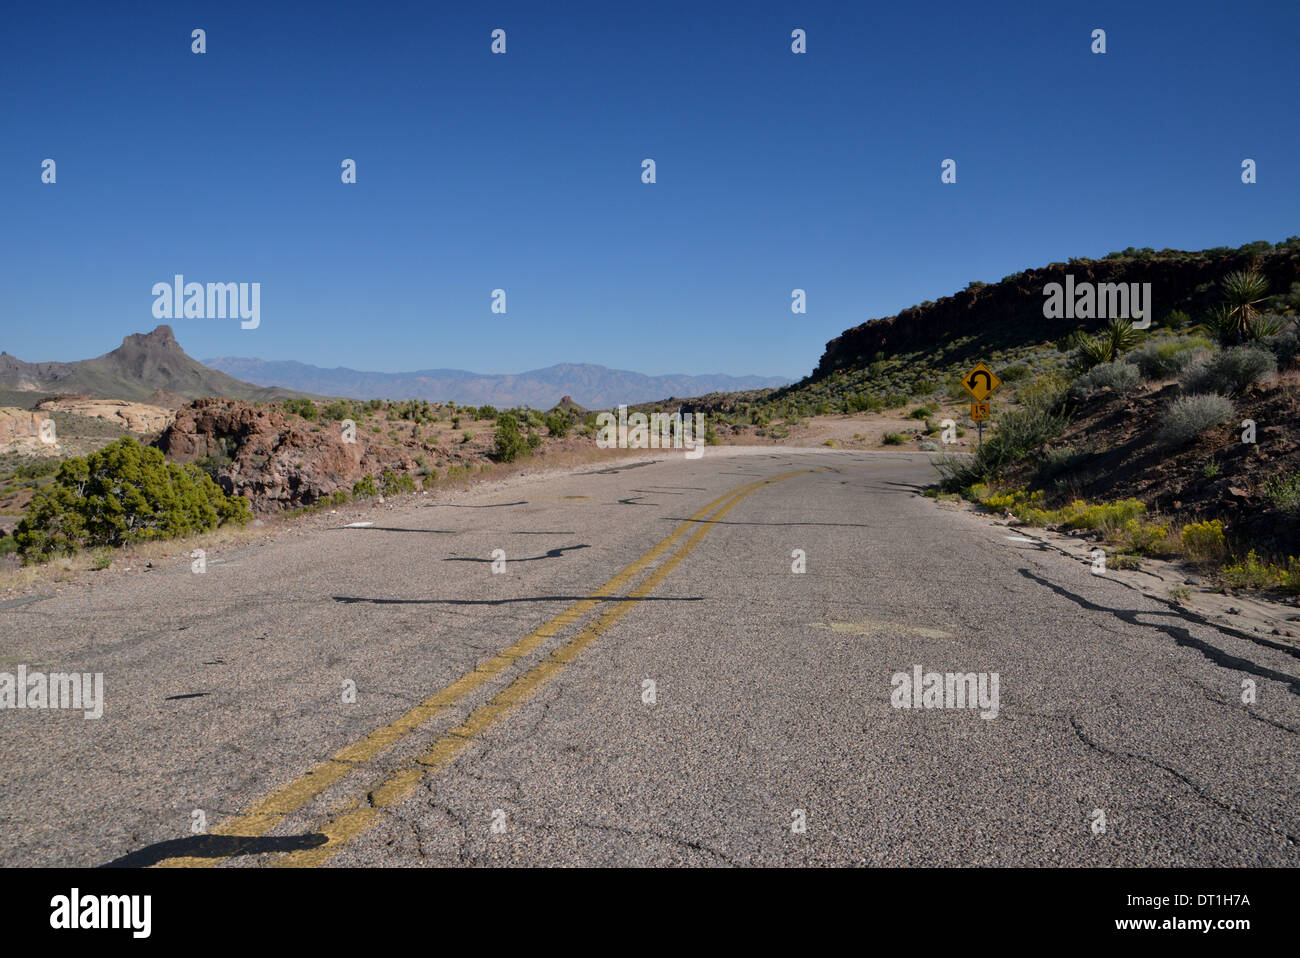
(523, 171)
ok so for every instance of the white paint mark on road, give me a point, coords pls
(872, 626)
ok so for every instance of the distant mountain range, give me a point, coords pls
(596, 387)
(152, 367)
(147, 367)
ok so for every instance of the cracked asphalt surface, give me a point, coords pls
(772, 690)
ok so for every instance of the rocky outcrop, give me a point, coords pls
(20, 433)
(1003, 315)
(273, 462)
(135, 417)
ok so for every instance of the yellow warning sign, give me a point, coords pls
(979, 412)
(980, 382)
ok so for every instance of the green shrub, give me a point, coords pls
(392, 483)
(508, 443)
(1189, 416)
(36, 468)
(1045, 393)
(558, 424)
(364, 488)
(121, 494)
(895, 438)
(1014, 373)
(1284, 492)
(1230, 372)
(1017, 434)
(302, 407)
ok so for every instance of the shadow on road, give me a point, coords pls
(215, 846)
(534, 598)
(437, 532)
(550, 554)
(490, 505)
(1179, 634)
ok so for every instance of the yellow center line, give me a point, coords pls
(360, 816)
(265, 814)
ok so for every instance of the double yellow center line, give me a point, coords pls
(270, 811)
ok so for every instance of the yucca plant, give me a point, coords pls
(1243, 289)
(1122, 336)
(1093, 352)
(1263, 326)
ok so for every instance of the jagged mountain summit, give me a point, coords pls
(145, 367)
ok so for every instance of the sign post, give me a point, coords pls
(980, 382)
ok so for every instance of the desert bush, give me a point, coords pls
(36, 468)
(1014, 373)
(302, 407)
(1156, 361)
(558, 424)
(1230, 372)
(894, 438)
(391, 483)
(1054, 462)
(1148, 538)
(1109, 517)
(1018, 433)
(1204, 541)
(1254, 573)
(1284, 492)
(1045, 393)
(1284, 346)
(1189, 416)
(1122, 377)
(508, 443)
(121, 494)
(364, 488)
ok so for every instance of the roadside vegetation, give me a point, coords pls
(1184, 394)
(120, 495)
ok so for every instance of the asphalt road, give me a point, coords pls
(505, 717)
